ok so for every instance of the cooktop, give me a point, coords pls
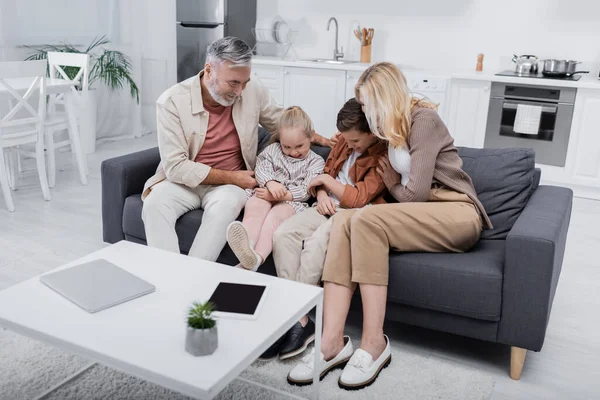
(539, 75)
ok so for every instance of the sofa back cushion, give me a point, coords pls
(503, 180)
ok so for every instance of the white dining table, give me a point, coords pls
(56, 86)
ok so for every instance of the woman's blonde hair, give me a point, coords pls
(383, 91)
(294, 117)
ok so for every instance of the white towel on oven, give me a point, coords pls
(527, 120)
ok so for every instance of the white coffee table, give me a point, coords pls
(145, 337)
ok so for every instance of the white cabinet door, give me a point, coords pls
(468, 109)
(272, 77)
(583, 157)
(320, 92)
(351, 80)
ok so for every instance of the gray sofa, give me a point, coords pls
(500, 291)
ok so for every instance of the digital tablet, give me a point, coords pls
(238, 300)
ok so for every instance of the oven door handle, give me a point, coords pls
(513, 106)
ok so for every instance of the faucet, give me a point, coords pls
(336, 54)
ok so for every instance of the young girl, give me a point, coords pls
(283, 172)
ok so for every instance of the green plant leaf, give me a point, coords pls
(200, 315)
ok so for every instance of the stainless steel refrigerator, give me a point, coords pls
(200, 22)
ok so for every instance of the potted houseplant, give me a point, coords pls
(201, 336)
(110, 67)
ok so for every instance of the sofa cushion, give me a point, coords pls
(503, 179)
(466, 284)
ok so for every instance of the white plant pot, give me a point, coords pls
(88, 109)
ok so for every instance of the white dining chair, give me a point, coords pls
(22, 123)
(57, 119)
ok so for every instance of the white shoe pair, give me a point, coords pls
(239, 241)
(360, 370)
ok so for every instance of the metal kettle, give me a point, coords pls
(526, 64)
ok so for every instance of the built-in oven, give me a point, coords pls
(545, 112)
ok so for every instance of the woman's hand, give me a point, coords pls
(325, 204)
(264, 194)
(319, 180)
(278, 191)
(388, 174)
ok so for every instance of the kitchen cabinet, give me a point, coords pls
(351, 80)
(272, 78)
(468, 109)
(583, 156)
(320, 92)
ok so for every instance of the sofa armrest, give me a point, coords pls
(534, 254)
(122, 177)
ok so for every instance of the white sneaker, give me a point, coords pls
(362, 370)
(302, 374)
(238, 240)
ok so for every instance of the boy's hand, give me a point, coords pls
(388, 174)
(319, 180)
(325, 204)
(264, 194)
(278, 191)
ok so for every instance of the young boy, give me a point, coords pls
(350, 180)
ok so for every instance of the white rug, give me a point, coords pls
(29, 368)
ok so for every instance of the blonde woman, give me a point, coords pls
(437, 210)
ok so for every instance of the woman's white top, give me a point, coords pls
(400, 161)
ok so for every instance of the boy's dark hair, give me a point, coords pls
(351, 116)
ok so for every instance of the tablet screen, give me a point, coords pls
(237, 297)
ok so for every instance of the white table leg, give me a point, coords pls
(318, 330)
(74, 132)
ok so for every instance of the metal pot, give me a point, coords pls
(561, 68)
(526, 64)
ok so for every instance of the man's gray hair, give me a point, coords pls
(230, 49)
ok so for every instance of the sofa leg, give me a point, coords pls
(517, 359)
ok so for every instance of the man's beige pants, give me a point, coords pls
(168, 201)
(300, 246)
(361, 239)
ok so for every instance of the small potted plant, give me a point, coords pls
(201, 337)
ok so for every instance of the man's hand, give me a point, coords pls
(264, 194)
(321, 141)
(319, 180)
(325, 204)
(278, 191)
(334, 139)
(388, 174)
(244, 179)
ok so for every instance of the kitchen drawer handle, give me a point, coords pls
(513, 106)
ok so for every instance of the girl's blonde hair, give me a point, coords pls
(294, 117)
(383, 91)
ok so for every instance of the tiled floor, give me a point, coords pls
(41, 235)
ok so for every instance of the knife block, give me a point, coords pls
(365, 54)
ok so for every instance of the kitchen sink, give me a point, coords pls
(336, 62)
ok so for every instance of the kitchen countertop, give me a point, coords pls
(352, 66)
(587, 81)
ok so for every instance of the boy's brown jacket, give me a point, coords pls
(368, 185)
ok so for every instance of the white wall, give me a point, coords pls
(143, 29)
(445, 34)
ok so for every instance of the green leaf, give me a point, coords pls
(200, 315)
